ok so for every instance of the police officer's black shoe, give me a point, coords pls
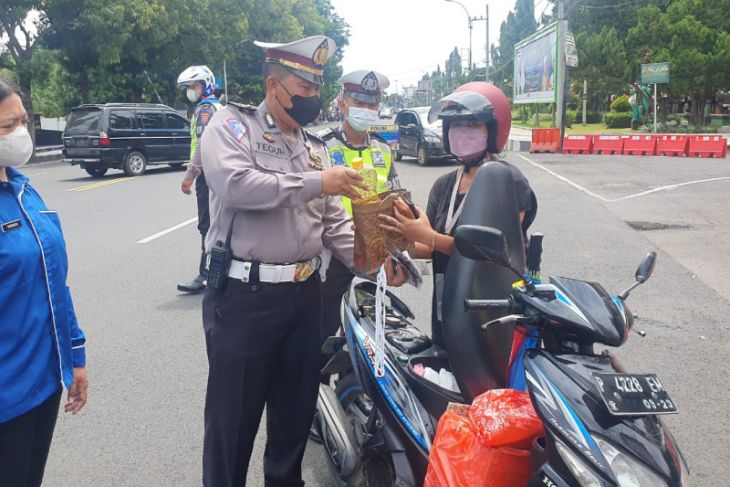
(195, 286)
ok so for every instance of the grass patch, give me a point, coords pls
(578, 128)
(598, 128)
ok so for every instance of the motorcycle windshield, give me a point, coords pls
(480, 358)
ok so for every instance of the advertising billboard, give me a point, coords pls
(536, 62)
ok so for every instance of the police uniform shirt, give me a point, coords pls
(283, 217)
(202, 115)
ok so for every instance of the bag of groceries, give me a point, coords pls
(485, 444)
(372, 244)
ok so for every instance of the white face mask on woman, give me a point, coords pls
(16, 148)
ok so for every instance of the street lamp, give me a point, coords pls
(470, 20)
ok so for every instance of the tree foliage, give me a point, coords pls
(520, 24)
(98, 51)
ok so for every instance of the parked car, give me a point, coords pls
(418, 138)
(126, 136)
(385, 112)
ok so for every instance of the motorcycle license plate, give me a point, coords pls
(634, 394)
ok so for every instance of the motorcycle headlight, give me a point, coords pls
(628, 472)
(580, 470)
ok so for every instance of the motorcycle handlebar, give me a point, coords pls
(486, 304)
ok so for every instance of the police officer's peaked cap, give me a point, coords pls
(363, 85)
(305, 57)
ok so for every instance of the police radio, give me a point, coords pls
(219, 261)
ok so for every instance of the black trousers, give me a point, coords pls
(338, 280)
(201, 195)
(24, 444)
(263, 349)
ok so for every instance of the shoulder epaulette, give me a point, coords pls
(244, 107)
(314, 137)
(326, 134)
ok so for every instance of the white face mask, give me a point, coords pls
(192, 95)
(360, 119)
(16, 148)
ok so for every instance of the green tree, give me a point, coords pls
(519, 25)
(693, 36)
(23, 40)
(603, 63)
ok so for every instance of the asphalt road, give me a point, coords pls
(143, 423)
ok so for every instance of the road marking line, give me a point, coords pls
(564, 179)
(100, 184)
(165, 232)
(669, 187)
(37, 174)
(577, 186)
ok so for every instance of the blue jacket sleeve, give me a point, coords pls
(78, 339)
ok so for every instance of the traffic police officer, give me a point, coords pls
(199, 85)
(361, 91)
(275, 205)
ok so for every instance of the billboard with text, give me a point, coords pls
(536, 67)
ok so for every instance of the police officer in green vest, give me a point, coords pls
(361, 91)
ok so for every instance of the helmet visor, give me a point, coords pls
(468, 105)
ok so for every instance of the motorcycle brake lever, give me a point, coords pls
(516, 319)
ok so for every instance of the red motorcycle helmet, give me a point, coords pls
(480, 101)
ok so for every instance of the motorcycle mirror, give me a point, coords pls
(645, 269)
(485, 244)
(643, 273)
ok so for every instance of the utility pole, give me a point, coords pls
(585, 101)
(562, 81)
(486, 66)
(470, 21)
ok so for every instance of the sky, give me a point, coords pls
(404, 39)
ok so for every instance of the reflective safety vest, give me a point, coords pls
(377, 155)
(194, 132)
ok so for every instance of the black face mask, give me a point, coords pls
(304, 108)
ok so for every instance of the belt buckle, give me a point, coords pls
(304, 270)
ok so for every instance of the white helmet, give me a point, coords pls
(197, 74)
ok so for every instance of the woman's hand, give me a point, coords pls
(414, 229)
(395, 272)
(78, 391)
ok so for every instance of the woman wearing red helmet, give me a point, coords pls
(476, 122)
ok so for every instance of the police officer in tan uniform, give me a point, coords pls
(263, 329)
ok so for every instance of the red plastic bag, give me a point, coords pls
(460, 456)
(505, 417)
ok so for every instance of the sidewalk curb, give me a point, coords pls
(517, 145)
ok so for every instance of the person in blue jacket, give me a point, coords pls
(42, 348)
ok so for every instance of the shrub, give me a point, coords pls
(617, 120)
(593, 117)
(621, 104)
(576, 116)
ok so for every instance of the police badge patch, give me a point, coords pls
(337, 157)
(237, 128)
(378, 159)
